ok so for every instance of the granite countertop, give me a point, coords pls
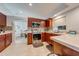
(69, 40)
(6, 32)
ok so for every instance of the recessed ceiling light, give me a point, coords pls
(30, 4)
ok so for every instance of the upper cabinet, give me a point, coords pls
(43, 23)
(48, 23)
(32, 21)
(2, 20)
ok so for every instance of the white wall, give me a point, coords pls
(72, 20)
(10, 20)
(58, 22)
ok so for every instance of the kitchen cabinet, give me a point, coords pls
(57, 48)
(47, 37)
(42, 24)
(2, 42)
(30, 36)
(31, 20)
(69, 52)
(2, 20)
(62, 50)
(8, 39)
(43, 36)
(48, 23)
(48, 40)
(5, 40)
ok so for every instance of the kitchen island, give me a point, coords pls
(66, 44)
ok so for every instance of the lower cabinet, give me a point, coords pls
(5, 40)
(8, 39)
(2, 42)
(69, 52)
(63, 50)
(43, 36)
(48, 35)
(57, 48)
(30, 36)
(50, 42)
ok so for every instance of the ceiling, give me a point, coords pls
(44, 10)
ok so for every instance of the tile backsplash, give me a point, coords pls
(6, 28)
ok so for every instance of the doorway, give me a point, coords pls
(19, 28)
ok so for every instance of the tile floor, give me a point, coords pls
(22, 49)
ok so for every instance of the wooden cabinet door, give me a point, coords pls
(63, 50)
(2, 42)
(42, 23)
(43, 37)
(69, 52)
(8, 39)
(57, 48)
(47, 37)
(2, 20)
(31, 20)
(29, 40)
(48, 23)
